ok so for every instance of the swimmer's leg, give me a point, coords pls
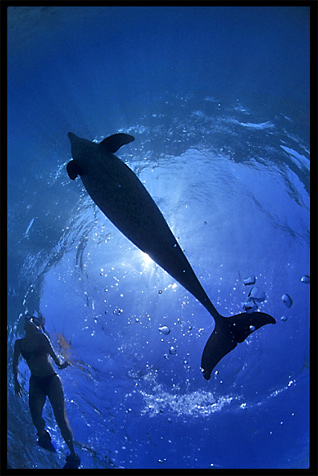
(36, 403)
(56, 397)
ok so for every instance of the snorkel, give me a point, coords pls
(35, 322)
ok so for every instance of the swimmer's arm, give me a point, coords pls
(53, 354)
(15, 368)
(15, 362)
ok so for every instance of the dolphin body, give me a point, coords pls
(122, 197)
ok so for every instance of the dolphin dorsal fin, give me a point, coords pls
(113, 143)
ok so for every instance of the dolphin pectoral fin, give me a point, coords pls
(112, 143)
(72, 170)
(227, 334)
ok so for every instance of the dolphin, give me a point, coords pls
(124, 200)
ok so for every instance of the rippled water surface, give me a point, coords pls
(224, 151)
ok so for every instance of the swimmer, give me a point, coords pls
(37, 350)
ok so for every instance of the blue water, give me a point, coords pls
(217, 99)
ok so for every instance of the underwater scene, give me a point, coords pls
(217, 101)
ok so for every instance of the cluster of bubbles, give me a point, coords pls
(287, 300)
(257, 295)
(165, 330)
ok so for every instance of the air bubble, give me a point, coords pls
(117, 311)
(257, 294)
(164, 330)
(287, 300)
(249, 280)
(249, 306)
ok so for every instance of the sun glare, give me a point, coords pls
(146, 260)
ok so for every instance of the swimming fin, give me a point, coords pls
(72, 462)
(45, 442)
(228, 332)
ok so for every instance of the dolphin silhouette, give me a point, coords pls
(122, 197)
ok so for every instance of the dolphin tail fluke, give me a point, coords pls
(228, 332)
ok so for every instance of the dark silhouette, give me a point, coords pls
(121, 196)
(37, 350)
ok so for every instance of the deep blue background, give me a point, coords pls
(218, 101)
